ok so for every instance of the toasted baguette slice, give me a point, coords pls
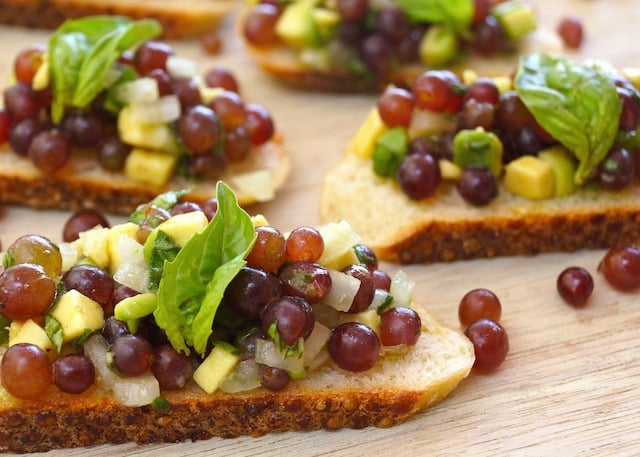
(388, 394)
(82, 183)
(178, 21)
(444, 227)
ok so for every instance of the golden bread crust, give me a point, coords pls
(177, 21)
(82, 183)
(445, 228)
(388, 394)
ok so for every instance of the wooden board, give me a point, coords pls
(570, 383)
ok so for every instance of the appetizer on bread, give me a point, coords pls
(174, 327)
(546, 161)
(177, 21)
(105, 117)
(350, 45)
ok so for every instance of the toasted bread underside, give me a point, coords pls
(177, 20)
(388, 394)
(83, 184)
(445, 228)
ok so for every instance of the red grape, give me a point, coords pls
(570, 30)
(304, 243)
(26, 371)
(477, 304)
(490, 344)
(399, 325)
(575, 286)
(621, 268)
(354, 346)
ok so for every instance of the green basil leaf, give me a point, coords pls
(389, 151)
(4, 329)
(164, 249)
(577, 104)
(83, 51)
(189, 293)
(54, 331)
(456, 14)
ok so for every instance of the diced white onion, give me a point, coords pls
(181, 68)
(137, 91)
(424, 122)
(70, 255)
(159, 111)
(379, 298)
(401, 289)
(243, 377)
(314, 345)
(268, 354)
(343, 290)
(133, 271)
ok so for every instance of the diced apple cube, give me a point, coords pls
(339, 240)
(30, 332)
(181, 227)
(367, 135)
(128, 229)
(93, 245)
(76, 313)
(150, 167)
(217, 366)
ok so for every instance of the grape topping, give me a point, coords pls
(79, 316)
(201, 121)
(371, 39)
(487, 136)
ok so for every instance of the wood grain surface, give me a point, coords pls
(570, 385)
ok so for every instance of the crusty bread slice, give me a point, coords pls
(388, 394)
(82, 183)
(179, 19)
(444, 227)
(284, 64)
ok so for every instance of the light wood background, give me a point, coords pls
(570, 385)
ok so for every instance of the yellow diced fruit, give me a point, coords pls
(148, 167)
(468, 76)
(449, 170)
(181, 227)
(564, 169)
(365, 138)
(76, 313)
(633, 75)
(128, 229)
(30, 332)
(209, 93)
(339, 240)
(503, 83)
(93, 245)
(41, 79)
(218, 365)
(158, 137)
(259, 220)
(368, 317)
(529, 177)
